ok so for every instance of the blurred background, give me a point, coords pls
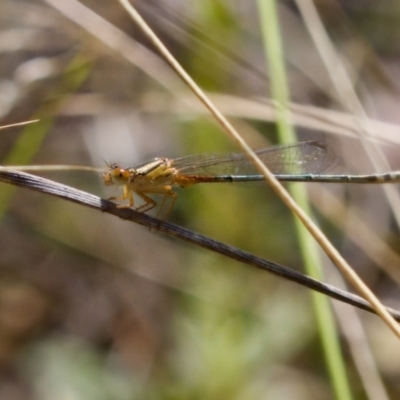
(93, 307)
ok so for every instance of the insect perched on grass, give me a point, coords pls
(301, 162)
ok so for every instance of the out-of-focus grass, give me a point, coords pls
(280, 91)
(32, 136)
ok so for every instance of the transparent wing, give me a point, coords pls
(301, 158)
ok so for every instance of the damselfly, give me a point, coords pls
(301, 162)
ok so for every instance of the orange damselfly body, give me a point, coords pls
(301, 162)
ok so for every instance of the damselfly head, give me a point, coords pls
(116, 175)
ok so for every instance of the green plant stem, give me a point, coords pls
(309, 250)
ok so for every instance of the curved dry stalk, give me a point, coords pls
(68, 193)
(358, 232)
(319, 236)
(55, 167)
(18, 124)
